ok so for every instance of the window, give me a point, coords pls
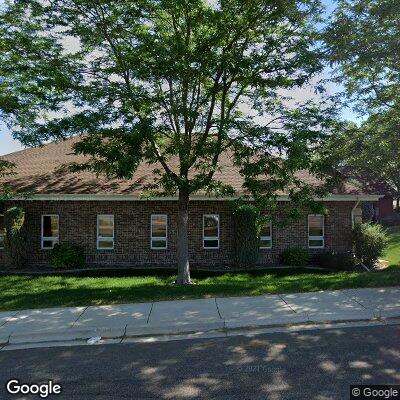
(211, 231)
(2, 231)
(105, 232)
(50, 231)
(266, 236)
(158, 231)
(316, 231)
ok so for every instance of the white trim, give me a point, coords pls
(123, 197)
(2, 234)
(211, 237)
(316, 237)
(267, 238)
(54, 239)
(105, 238)
(352, 213)
(161, 237)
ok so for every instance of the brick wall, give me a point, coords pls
(78, 221)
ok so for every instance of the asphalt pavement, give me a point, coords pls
(316, 364)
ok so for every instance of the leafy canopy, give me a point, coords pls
(6, 168)
(371, 151)
(164, 80)
(363, 41)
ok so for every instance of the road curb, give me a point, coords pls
(65, 336)
(111, 334)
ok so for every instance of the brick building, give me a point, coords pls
(117, 226)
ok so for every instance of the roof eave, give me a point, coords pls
(126, 197)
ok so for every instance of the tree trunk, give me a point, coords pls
(183, 240)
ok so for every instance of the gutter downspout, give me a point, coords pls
(352, 212)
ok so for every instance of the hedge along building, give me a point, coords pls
(116, 226)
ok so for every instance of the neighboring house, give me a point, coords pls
(116, 226)
(384, 207)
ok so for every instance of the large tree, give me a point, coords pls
(168, 80)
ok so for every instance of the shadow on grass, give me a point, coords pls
(25, 292)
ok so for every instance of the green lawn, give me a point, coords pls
(19, 292)
(392, 253)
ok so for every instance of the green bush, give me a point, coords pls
(296, 257)
(246, 235)
(16, 237)
(332, 260)
(67, 256)
(369, 243)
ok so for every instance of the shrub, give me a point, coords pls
(16, 238)
(67, 256)
(296, 257)
(332, 260)
(246, 235)
(369, 243)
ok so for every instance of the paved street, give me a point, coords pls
(200, 315)
(318, 364)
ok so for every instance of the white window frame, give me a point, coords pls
(54, 239)
(267, 238)
(3, 234)
(159, 237)
(316, 237)
(106, 238)
(211, 237)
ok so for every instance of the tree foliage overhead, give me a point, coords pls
(371, 152)
(363, 40)
(6, 168)
(160, 79)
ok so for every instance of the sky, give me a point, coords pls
(9, 145)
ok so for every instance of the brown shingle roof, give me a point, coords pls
(38, 171)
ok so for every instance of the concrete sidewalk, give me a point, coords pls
(118, 322)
